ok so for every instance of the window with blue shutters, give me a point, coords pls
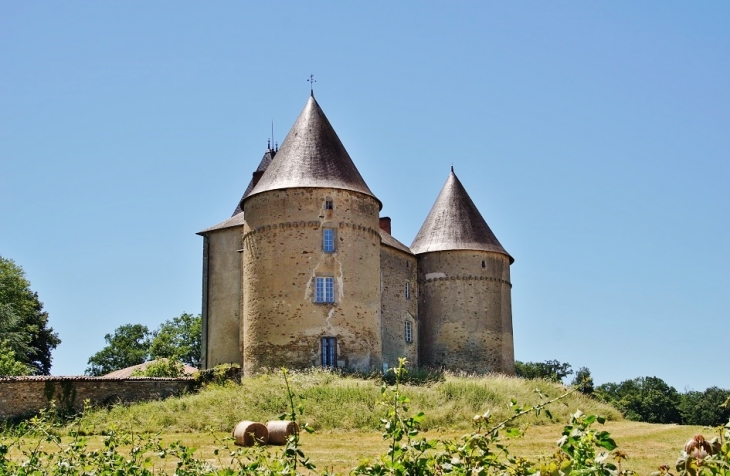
(328, 240)
(329, 352)
(324, 289)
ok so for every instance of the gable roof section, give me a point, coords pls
(388, 240)
(235, 220)
(312, 156)
(454, 223)
(263, 165)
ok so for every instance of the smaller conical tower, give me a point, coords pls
(465, 307)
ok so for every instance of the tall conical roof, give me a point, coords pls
(312, 156)
(454, 223)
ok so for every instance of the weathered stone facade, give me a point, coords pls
(306, 273)
(465, 311)
(282, 257)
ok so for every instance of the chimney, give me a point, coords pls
(257, 176)
(385, 224)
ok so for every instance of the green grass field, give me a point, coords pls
(346, 413)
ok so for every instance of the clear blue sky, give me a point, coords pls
(593, 136)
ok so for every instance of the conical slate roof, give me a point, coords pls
(263, 165)
(312, 156)
(454, 223)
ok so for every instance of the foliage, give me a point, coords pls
(9, 364)
(23, 323)
(552, 370)
(35, 448)
(179, 338)
(705, 408)
(167, 368)
(583, 381)
(647, 399)
(127, 346)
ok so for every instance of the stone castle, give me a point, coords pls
(305, 273)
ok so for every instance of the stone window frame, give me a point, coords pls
(408, 331)
(408, 290)
(329, 204)
(324, 289)
(328, 240)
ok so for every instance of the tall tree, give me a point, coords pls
(129, 345)
(23, 322)
(179, 339)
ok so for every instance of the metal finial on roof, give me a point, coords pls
(452, 168)
(268, 144)
(311, 82)
(272, 132)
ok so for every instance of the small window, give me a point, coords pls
(328, 205)
(408, 332)
(484, 263)
(329, 352)
(408, 290)
(408, 264)
(328, 240)
(325, 289)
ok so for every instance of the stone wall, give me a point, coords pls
(398, 268)
(466, 311)
(283, 256)
(21, 396)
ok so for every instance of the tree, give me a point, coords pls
(9, 364)
(129, 345)
(705, 408)
(179, 339)
(548, 370)
(583, 381)
(23, 323)
(647, 399)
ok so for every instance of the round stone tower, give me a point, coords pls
(311, 257)
(465, 307)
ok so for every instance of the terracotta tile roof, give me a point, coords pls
(312, 156)
(235, 220)
(454, 223)
(388, 240)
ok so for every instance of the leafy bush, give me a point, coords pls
(169, 368)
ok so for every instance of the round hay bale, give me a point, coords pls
(247, 433)
(280, 430)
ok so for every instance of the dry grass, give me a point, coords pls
(647, 445)
(335, 402)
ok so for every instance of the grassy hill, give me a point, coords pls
(335, 402)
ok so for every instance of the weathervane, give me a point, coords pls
(311, 82)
